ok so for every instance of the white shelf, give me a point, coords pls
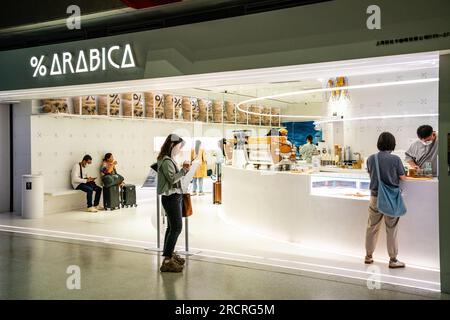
(124, 118)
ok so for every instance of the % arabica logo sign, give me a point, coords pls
(84, 61)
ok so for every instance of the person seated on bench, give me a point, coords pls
(81, 181)
(110, 177)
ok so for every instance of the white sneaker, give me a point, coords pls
(92, 210)
(394, 264)
(194, 193)
(201, 193)
(99, 208)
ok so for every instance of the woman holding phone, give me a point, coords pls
(169, 187)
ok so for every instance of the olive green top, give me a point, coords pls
(169, 177)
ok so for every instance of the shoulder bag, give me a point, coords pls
(389, 200)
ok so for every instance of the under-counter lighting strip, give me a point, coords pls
(309, 91)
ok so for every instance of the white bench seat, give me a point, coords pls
(67, 192)
(61, 192)
(67, 199)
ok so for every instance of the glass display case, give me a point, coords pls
(340, 186)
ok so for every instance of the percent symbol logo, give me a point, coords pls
(38, 66)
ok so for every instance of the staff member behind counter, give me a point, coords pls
(308, 149)
(424, 150)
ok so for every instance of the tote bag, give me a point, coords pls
(187, 205)
(389, 200)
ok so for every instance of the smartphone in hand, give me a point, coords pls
(186, 165)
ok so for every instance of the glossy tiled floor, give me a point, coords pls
(213, 239)
(36, 269)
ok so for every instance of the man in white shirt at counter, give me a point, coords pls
(424, 151)
(81, 181)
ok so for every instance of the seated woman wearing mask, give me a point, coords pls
(110, 177)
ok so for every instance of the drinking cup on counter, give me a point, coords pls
(412, 172)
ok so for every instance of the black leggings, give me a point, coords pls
(173, 206)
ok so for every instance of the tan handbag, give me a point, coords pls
(187, 205)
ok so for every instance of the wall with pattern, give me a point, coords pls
(362, 135)
(58, 142)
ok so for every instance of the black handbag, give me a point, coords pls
(154, 166)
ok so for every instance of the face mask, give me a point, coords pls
(426, 143)
(175, 152)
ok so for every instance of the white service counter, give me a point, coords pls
(281, 206)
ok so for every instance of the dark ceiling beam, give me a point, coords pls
(180, 13)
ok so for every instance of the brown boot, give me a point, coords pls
(170, 265)
(178, 259)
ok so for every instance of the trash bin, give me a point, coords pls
(32, 196)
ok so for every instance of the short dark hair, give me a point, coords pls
(87, 158)
(386, 142)
(424, 131)
(309, 138)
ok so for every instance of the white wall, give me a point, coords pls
(421, 98)
(57, 143)
(22, 147)
(4, 158)
(311, 109)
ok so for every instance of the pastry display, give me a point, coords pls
(159, 106)
(138, 105)
(195, 109)
(102, 105)
(149, 99)
(229, 112)
(58, 105)
(241, 115)
(163, 106)
(275, 119)
(168, 106)
(88, 105)
(178, 108)
(265, 120)
(114, 105)
(255, 119)
(203, 110)
(217, 111)
(186, 108)
(126, 104)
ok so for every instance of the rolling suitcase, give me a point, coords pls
(111, 198)
(217, 192)
(129, 196)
